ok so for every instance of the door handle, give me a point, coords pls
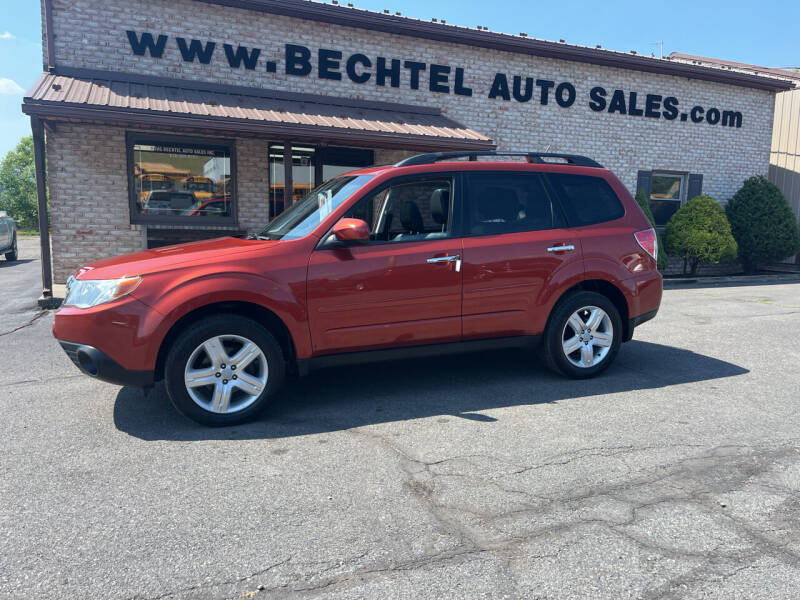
(564, 248)
(442, 259)
(446, 259)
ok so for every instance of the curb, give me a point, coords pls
(732, 279)
(49, 302)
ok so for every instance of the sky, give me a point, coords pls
(763, 33)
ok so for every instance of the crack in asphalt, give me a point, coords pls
(693, 481)
(687, 476)
(203, 586)
(35, 318)
(48, 380)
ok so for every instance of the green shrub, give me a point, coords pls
(641, 200)
(762, 223)
(699, 233)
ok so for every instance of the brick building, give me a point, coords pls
(175, 120)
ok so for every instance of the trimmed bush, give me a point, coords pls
(700, 234)
(641, 200)
(763, 223)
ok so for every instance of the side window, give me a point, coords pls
(407, 211)
(586, 200)
(508, 202)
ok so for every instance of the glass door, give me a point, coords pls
(311, 166)
(303, 180)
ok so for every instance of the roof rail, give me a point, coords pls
(531, 157)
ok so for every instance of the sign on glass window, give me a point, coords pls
(182, 180)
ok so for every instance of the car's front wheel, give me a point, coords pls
(14, 252)
(223, 370)
(583, 335)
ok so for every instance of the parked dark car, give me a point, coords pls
(8, 236)
(163, 202)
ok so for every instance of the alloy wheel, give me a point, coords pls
(587, 337)
(226, 374)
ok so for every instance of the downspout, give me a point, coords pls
(40, 166)
(44, 222)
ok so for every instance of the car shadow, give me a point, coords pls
(12, 263)
(456, 385)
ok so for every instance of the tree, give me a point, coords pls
(762, 223)
(699, 233)
(18, 184)
(641, 200)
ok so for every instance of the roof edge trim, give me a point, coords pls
(399, 25)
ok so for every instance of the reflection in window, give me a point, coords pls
(311, 167)
(302, 177)
(303, 217)
(665, 196)
(176, 180)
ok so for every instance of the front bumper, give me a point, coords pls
(98, 364)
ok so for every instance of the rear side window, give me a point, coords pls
(586, 200)
(507, 202)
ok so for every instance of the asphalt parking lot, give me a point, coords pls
(675, 475)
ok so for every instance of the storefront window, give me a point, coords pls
(665, 196)
(180, 181)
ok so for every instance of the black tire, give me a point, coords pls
(557, 331)
(192, 338)
(14, 251)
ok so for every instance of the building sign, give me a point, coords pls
(184, 150)
(299, 61)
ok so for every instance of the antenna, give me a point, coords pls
(660, 44)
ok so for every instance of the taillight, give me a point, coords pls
(648, 240)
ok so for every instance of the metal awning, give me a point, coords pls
(99, 96)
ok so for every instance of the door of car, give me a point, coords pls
(515, 245)
(403, 287)
(5, 232)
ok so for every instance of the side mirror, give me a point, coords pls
(351, 230)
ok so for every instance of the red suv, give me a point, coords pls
(427, 256)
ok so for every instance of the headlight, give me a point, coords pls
(85, 293)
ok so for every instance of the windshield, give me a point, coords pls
(302, 218)
(200, 186)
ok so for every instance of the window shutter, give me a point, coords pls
(695, 187)
(644, 181)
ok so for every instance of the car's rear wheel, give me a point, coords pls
(14, 253)
(224, 370)
(583, 335)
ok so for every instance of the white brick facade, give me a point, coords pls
(92, 34)
(89, 216)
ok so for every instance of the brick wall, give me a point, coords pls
(252, 187)
(90, 219)
(89, 213)
(91, 34)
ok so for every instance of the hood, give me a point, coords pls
(168, 257)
